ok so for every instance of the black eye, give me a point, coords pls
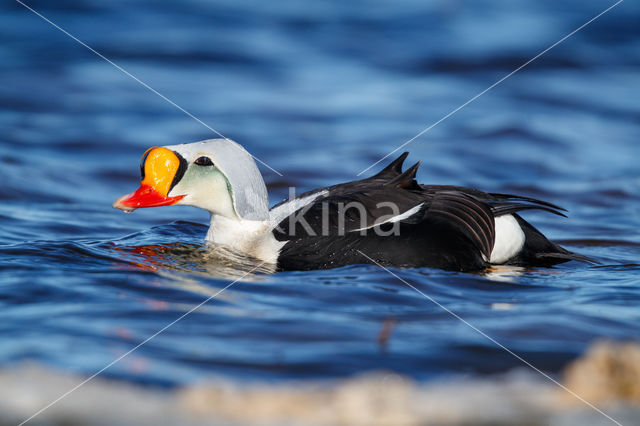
(204, 161)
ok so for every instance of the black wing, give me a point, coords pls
(443, 226)
(354, 214)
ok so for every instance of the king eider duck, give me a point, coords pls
(389, 218)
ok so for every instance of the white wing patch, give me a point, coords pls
(393, 219)
(509, 239)
(277, 214)
(408, 213)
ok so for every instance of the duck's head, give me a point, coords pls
(217, 175)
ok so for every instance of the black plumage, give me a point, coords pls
(447, 227)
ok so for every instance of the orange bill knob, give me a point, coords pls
(161, 169)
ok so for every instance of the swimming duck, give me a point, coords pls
(388, 218)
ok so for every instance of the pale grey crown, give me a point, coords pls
(249, 193)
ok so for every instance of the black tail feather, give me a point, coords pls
(538, 250)
(568, 256)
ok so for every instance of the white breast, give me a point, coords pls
(245, 236)
(509, 239)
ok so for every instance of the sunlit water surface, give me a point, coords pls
(318, 92)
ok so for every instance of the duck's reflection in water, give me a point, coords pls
(504, 273)
(212, 260)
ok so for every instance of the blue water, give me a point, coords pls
(319, 91)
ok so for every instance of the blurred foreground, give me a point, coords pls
(608, 376)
